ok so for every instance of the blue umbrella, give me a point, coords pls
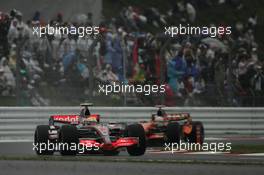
(68, 59)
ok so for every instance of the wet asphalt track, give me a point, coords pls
(98, 164)
(23, 148)
(117, 168)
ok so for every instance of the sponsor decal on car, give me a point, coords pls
(66, 118)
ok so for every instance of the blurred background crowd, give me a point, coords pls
(132, 48)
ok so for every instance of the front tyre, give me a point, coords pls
(136, 130)
(41, 140)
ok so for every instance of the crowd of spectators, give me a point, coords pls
(132, 48)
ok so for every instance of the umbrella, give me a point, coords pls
(68, 59)
(215, 43)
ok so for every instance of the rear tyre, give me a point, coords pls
(173, 132)
(136, 130)
(69, 139)
(41, 139)
(197, 134)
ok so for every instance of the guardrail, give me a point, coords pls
(20, 122)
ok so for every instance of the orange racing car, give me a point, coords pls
(173, 127)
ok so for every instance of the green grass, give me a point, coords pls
(245, 149)
(8, 101)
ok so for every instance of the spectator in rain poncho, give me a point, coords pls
(13, 32)
(191, 12)
(109, 49)
(139, 76)
(191, 66)
(32, 66)
(3, 82)
(43, 50)
(83, 44)
(176, 70)
(83, 70)
(36, 16)
(7, 73)
(55, 48)
(117, 57)
(107, 76)
(68, 51)
(111, 77)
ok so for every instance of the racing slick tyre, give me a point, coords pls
(173, 133)
(69, 139)
(136, 130)
(41, 138)
(111, 153)
(197, 134)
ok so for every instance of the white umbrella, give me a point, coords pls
(215, 43)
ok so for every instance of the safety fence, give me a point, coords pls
(19, 122)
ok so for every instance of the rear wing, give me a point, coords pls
(71, 119)
(67, 119)
(175, 117)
